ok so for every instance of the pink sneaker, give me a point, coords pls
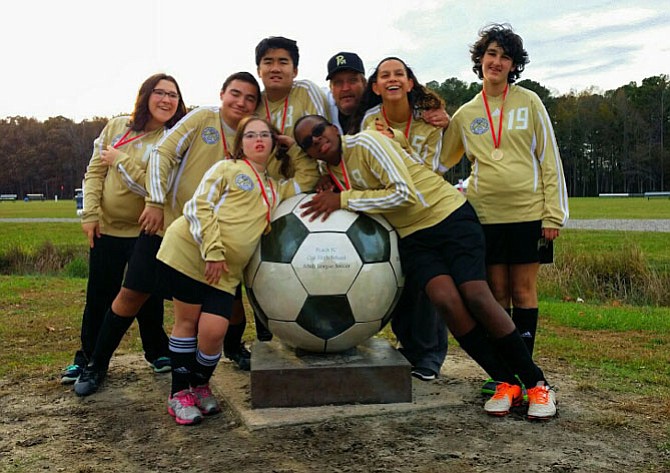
(205, 400)
(182, 406)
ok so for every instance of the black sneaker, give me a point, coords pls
(241, 357)
(70, 374)
(89, 381)
(424, 374)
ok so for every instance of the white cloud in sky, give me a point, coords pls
(82, 58)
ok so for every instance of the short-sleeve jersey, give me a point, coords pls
(527, 183)
(114, 195)
(424, 138)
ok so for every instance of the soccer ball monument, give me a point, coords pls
(325, 287)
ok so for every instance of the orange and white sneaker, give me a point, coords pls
(506, 396)
(541, 402)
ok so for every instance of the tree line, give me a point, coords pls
(611, 142)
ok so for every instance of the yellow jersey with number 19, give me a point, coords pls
(523, 181)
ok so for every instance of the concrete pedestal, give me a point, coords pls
(371, 373)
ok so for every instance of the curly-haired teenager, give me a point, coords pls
(517, 186)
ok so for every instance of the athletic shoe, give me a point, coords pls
(241, 356)
(205, 400)
(162, 364)
(489, 387)
(89, 380)
(182, 406)
(541, 402)
(70, 374)
(506, 396)
(424, 374)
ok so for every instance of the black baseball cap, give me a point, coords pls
(344, 61)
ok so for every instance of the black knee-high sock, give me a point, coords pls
(526, 322)
(204, 368)
(182, 354)
(233, 338)
(477, 344)
(513, 350)
(114, 327)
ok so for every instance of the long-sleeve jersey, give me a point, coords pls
(424, 138)
(114, 195)
(182, 157)
(527, 184)
(224, 221)
(385, 179)
(305, 98)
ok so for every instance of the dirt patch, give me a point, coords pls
(125, 428)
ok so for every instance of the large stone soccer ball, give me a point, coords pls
(325, 286)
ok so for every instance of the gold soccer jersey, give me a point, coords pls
(114, 195)
(424, 139)
(180, 160)
(305, 98)
(223, 221)
(524, 181)
(385, 180)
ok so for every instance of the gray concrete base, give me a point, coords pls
(371, 373)
(458, 386)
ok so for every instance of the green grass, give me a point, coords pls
(582, 208)
(655, 246)
(619, 348)
(30, 236)
(38, 209)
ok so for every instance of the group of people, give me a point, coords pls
(175, 204)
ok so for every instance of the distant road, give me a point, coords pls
(620, 224)
(598, 224)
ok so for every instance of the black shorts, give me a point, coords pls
(513, 243)
(186, 289)
(142, 273)
(454, 247)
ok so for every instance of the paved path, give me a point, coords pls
(619, 224)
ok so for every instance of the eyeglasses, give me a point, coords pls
(162, 93)
(316, 132)
(252, 135)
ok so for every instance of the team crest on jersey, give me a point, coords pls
(210, 135)
(479, 126)
(116, 139)
(244, 182)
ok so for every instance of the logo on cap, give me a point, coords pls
(340, 60)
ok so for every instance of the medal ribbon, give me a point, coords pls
(125, 141)
(496, 144)
(226, 154)
(263, 191)
(409, 122)
(283, 118)
(337, 182)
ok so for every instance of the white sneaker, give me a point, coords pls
(541, 402)
(506, 396)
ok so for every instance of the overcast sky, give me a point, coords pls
(81, 59)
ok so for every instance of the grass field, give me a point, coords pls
(580, 208)
(616, 346)
(38, 209)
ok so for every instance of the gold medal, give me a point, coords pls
(496, 154)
